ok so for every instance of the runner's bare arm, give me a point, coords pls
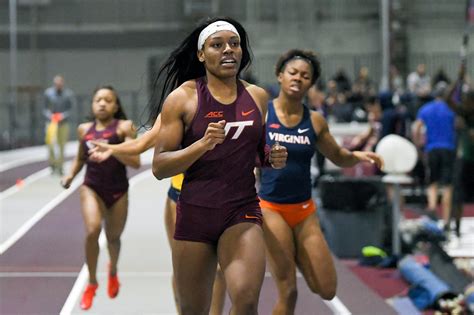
(169, 159)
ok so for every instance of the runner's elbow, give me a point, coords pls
(157, 171)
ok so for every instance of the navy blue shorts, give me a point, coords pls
(174, 193)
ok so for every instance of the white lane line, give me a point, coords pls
(337, 307)
(21, 161)
(81, 280)
(58, 274)
(78, 285)
(144, 274)
(38, 216)
(18, 157)
(27, 181)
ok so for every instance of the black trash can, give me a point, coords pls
(354, 213)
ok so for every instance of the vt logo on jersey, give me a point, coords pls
(300, 139)
(240, 127)
(90, 145)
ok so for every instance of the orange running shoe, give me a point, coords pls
(113, 286)
(88, 296)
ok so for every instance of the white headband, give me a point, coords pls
(214, 28)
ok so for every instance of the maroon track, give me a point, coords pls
(9, 177)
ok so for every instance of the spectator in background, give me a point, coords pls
(362, 89)
(331, 90)
(363, 85)
(367, 140)
(439, 120)
(394, 118)
(317, 98)
(342, 81)
(441, 76)
(58, 102)
(396, 81)
(336, 101)
(419, 84)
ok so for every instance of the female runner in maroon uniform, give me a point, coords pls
(212, 130)
(104, 194)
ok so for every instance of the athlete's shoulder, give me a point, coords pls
(318, 121)
(83, 128)
(255, 90)
(125, 123)
(259, 95)
(182, 93)
(315, 115)
(127, 126)
(188, 87)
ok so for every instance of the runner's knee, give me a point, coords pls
(290, 294)
(92, 233)
(245, 301)
(326, 290)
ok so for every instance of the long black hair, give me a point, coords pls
(183, 65)
(307, 55)
(119, 114)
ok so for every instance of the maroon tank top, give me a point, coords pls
(110, 174)
(223, 177)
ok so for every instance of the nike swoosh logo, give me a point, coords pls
(247, 113)
(306, 205)
(302, 130)
(250, 216)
